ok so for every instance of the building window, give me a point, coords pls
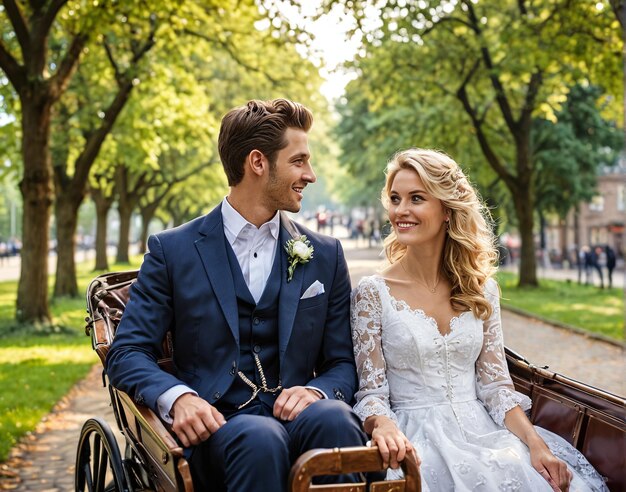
(621, 198)
(597, 204)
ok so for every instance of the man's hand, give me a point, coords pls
(194, 419)
(292, 401)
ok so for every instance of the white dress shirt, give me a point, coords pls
(255, 249)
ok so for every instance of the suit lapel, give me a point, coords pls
(212, 249)
(289, 291)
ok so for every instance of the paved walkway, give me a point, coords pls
(44, 460)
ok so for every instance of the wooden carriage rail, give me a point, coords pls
(162, 457)
(337, 461)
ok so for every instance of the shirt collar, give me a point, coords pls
(234, 222)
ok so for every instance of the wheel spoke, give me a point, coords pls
(97, 452)
(98, 460)
(88, 478)
(104, 460)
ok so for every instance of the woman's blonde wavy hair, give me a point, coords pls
(469, 256)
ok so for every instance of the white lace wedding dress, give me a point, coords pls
(448, 394)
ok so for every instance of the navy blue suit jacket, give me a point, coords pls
(185, 285)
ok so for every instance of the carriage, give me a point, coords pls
(592, 420)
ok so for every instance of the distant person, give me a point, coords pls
(580, 264)
(428, 343)
(588, 264)
(4, 252)
(322, 220)
(360, 229)
(597, 262)
(610, 263)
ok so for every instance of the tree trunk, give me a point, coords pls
(103, 205)
(147, 214)
(124, 243)
(524, 208)
(66, 214)
(563, 241)
(577, 238)
(37, 195)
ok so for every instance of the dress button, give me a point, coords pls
(216, 395)
(257, 349)
(256, 321)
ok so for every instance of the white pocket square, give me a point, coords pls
(315, 289)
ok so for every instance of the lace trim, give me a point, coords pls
(368, 407)
(506, 400)
(402, 305)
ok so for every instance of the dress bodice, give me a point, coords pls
(405, 362)
(429, 368)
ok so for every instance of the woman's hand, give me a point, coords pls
(392, 444)
(550, 467)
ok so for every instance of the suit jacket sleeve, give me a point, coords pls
(335, 368)
(131, 363)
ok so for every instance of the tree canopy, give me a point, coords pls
(473, 74)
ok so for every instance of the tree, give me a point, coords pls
(101, 190)
(40, 76)
(124, 51)
(569, 153)
(498, 64)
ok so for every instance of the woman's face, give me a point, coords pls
(417, 217)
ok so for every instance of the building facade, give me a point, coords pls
(602, 221)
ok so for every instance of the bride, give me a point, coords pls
(428, 345)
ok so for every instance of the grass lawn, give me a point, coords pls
(38, 368)
(592, 309)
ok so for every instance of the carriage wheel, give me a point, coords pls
(98, 462)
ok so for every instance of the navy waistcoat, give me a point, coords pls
(258, 333)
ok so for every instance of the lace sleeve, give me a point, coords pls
(493, 382)
(366, 311)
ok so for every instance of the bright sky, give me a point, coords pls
(331, 46)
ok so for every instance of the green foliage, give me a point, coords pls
(569, 152)
(582, 306)
(469, 77)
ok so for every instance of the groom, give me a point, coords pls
(259, 316)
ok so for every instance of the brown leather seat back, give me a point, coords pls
(107, 296)
(592, 420)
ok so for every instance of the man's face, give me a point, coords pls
(292, 172)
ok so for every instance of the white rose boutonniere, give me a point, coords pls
(299, 250)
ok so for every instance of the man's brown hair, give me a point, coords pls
(259, 125)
